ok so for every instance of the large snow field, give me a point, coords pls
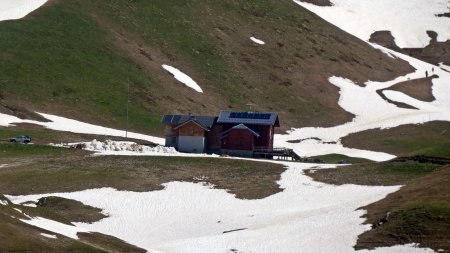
(307, 216)
(69, 125)
(408, 21)
(372, 111)
(15, 9)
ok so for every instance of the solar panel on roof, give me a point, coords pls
(246, 115)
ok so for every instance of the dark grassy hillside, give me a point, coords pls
(75, 58)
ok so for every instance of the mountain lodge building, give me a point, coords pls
(231, 133)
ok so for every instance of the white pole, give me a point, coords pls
(128, 99)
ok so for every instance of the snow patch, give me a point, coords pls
(64, 124)
(257, 41)
(408, 21)
(16, 9)
(49, 236)
(192, 217)
(372, 111)
(3, 165)
(3, 202)
(127, 148)
(117, 146)
(55, 227)
(29, 204)
(182, 77)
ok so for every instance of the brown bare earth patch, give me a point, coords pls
(418, 88)
(19, 111)
(319, 2)
(434, 53)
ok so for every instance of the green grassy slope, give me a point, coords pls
(431, 139)
(75, 58)
(42, 169)
(419, 212)
(17, 236)
(62, 61)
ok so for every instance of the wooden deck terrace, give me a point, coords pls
(281, 153)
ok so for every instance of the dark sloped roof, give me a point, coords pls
(204, 121)
(195, 122)
(253, 118)
(243, 127)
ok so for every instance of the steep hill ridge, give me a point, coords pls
(75, 59)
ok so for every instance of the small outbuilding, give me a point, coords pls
(188, 133)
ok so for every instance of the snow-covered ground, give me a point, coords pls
(183, 78)
(372, 111)
(69, 125)
(15, 9)
(307, 216)
(408, 21)
(54, 226)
